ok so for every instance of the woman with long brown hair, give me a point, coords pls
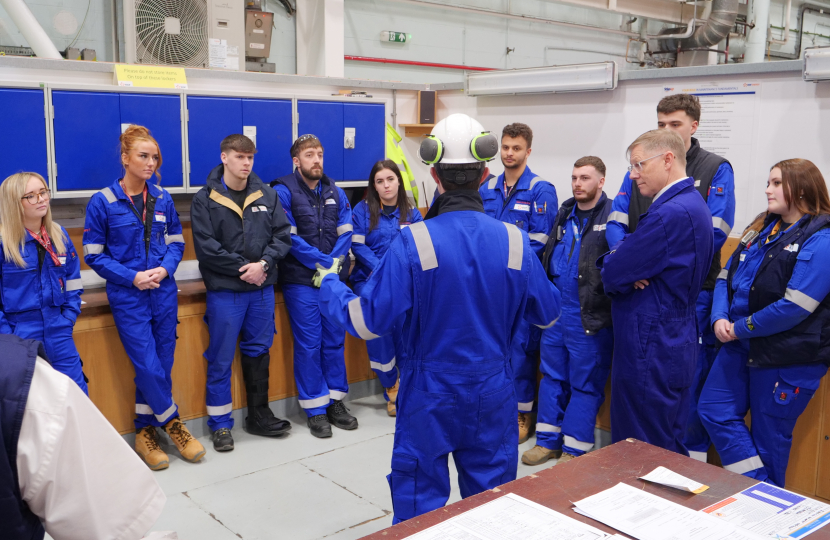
(133, 239)
(772, 313)
(377, 220)
(40, 274)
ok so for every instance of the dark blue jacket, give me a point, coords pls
(17, 356)
(321, 227)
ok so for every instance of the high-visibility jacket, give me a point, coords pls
(395, 153)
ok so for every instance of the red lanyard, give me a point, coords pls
(44, 241)
(144, 214)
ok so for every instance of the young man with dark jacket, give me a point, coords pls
(240, 233)
(576, 352)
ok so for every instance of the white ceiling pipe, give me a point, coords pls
(32, 31)
(786, 27)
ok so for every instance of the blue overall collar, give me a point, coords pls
(522, 185)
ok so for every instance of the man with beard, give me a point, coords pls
(521, 198)
(321, 231)
(576, 352)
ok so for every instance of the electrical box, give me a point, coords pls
(258, 25)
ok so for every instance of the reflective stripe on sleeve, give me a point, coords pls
(619, 217)
(492, 183)
(174, 238)
(548, 428)
(316, 402)
(293, 230)
(575, 444)
(800, 299)
(719, 223)
(343, 229)
(220, 410)
(356, 316)
(723, 274)
(538, 179)
(515, 247)
(745, 465)
(423, 243)
(108, 194)
(93, 249)
(74, 284)
(358, 239)
(539, 237)
(389, 366)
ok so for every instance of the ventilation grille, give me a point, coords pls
(171, 32)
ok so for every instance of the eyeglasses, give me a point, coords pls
(639, 165)
(33, 198)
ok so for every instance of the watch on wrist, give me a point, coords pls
(265, 265)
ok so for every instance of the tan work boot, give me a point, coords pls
(147, 447)
(565, 457)
(525, 426)
(190, 449)
(392, 394)
(539, 454)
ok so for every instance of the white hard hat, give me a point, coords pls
(458, 139)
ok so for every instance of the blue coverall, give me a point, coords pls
(655, 329)
(42, 301)
(115, 247)
(456, 391)
(575, 364)
(721, 203)
(319, 360)
(531, 206)
(368, 248)
(776, 395)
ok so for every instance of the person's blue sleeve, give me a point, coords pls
(71, 307)
(641, 255)
(617, 226)
(384, 299)
(362, 253)
(96, 255)
(415, 216)
(721, 201)
(344, 227)
(303, 251)
(720, 299)
(174, 240)
(542, 216)
(543, 305)
(5, 327)
(807, 288)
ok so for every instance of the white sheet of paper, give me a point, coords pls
(510, 518)
(664, 476)
(772, 512)
(646, 516)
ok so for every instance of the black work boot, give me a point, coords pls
(260, 419)
(319, 426)
(338, 415)
(222, 440)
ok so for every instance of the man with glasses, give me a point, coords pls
(654, 277)
(321, 231)
(715, 181)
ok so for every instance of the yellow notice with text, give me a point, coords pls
(150, 76)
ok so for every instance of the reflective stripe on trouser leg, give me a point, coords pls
(333, 360)
(307, 329)
(553, 390)
(139, 328)
(697, 439)
(382, 352)
(699, 456)
(225, 315)
(524, 367)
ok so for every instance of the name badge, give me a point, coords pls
(521, 207)
(792, 248)
(697, 183)
(331, 201)
(162, 218)
(254, 209)
(62, 260)
(599, 227)
(263, 208)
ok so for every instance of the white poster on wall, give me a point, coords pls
(727, 126)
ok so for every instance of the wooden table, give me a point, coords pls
(559, 486)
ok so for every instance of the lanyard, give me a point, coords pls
(144, 214)
(44, 241)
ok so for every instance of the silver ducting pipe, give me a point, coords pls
(32, 31)
(717, 27)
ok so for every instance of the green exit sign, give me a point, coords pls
(395, 37)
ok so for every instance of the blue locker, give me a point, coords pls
(23, 132)
(86, 128)
(272, 119)
(210, 120)
(325, 120)
(161, 114)
(369, 122)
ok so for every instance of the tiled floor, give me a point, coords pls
(294, 488)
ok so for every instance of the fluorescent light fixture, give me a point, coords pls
(543, 80)
(817, 64)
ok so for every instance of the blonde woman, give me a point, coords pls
(40, 275)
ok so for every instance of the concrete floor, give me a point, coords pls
(297, 487)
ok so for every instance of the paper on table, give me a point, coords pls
(772, 512)
(664, 476)
(510, 518)
(646, 516)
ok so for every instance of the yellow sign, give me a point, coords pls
(150, 76)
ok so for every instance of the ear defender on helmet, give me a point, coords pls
(431, 150)
(484, 146)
